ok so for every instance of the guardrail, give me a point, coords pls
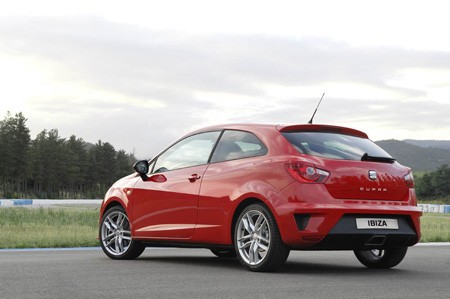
(430, 208)
(47, 202)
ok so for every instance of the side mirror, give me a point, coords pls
(142, 167)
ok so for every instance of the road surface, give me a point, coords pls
(197, 273)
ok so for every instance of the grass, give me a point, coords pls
(48, 227)
(435, 227)
(78, 227)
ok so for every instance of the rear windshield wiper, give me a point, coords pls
(367, 157)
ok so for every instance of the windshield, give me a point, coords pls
(334, 146)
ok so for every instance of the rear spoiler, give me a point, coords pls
(322, 128)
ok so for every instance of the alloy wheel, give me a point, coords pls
(253, 237)
(115, 233)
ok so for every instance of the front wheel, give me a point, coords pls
(381, 258)
(115, 235)
(258, 241)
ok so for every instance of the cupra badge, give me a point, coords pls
(372, 174)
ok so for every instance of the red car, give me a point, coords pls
(259, 191)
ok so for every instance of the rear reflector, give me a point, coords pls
(306, 172)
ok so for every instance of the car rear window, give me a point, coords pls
(335, 146)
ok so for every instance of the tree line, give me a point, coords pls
(53, 167)
(50, 166)
(434, 184)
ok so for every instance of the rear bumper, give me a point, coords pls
(323, 223)
(345, 236)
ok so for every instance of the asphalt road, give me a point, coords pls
(196, 273)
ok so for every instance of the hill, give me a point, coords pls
(445, 144)
(419, 158)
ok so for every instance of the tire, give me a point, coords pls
(381, 258)
(257, 240)
(224, 252)
(115, 235)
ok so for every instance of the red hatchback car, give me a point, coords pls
(259, 191)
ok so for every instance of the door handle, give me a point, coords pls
(194, 177)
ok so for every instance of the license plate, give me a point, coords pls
(376, 223)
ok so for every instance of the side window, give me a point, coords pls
(237, 145)
(191, 151)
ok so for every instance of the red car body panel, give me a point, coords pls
(202, 211)
(166, 209)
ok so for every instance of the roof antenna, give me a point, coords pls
(311, 120)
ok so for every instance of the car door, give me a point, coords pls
(165, 206)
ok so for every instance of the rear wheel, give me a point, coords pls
(381, 258)
(115, 235)
(257, 240)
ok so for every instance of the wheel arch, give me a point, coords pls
(104, 208)
(240, 207)
(111, 204)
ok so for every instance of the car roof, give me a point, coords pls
(252, 127)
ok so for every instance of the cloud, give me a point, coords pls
(139, 88)
(139, 62)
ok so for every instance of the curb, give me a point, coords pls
(433, 244)
(432, 208)
(50, 249)
(15, 202)
(47, 202)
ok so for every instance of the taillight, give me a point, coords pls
(409, 179)
(306, 172)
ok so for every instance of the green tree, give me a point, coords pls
(48, 160)
(102, 162)
(435, 184)
(76, 167)
(123, 164)
(423, 186)
(440, 182)
(14, 142)
(50, 166)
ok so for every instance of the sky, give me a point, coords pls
(140, 74)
